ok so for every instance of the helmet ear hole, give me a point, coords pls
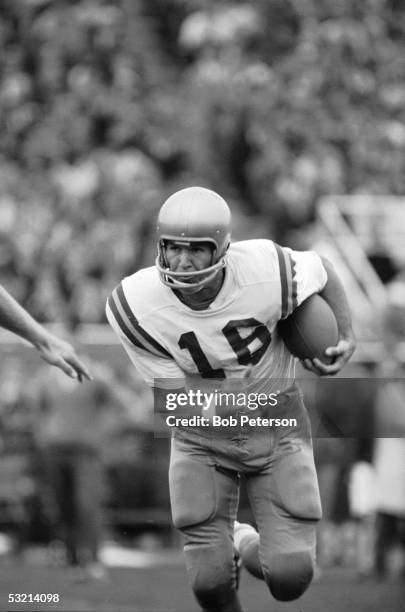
(162, 252)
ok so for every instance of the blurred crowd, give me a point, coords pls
(79, 463)
(81, 160)
(108, 105)
(300, 100)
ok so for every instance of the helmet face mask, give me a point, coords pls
(195, 279)
(191, 216)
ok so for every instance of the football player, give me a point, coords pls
(208, 312)
(52, 349)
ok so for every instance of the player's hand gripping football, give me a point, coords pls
(339, 354)
(61, 354)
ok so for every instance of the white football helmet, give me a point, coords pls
(189, 216)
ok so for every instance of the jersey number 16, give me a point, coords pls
(240, 346)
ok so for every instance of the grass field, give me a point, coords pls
(163, 587)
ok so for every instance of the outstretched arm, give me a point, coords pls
(334, 294)
(51, 349)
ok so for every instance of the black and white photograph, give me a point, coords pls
(202, 305)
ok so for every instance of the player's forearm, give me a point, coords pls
(51, 349)
(334, 294)
(17, 320)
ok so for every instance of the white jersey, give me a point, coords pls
(172, 345)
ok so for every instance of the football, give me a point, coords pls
(310, 329)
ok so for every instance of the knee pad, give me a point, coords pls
(192, 491)
(210, 572)
(199, 491)
(297, 486)
(289, 575)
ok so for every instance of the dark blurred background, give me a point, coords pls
(107, 106)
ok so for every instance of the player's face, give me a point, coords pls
(188, 258)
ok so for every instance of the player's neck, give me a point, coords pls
(203, 298)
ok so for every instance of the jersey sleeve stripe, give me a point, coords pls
(125, 330)
(292, 283)
(284, 281)
(147, 341)
(288, 282)
(294, 286)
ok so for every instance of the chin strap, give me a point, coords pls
(170, 278)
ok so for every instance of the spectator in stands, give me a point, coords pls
(389, 463)
(94, 96)
(70, 430)
(389, 451)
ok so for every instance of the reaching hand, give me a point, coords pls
(340, 353)
(61, 354)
